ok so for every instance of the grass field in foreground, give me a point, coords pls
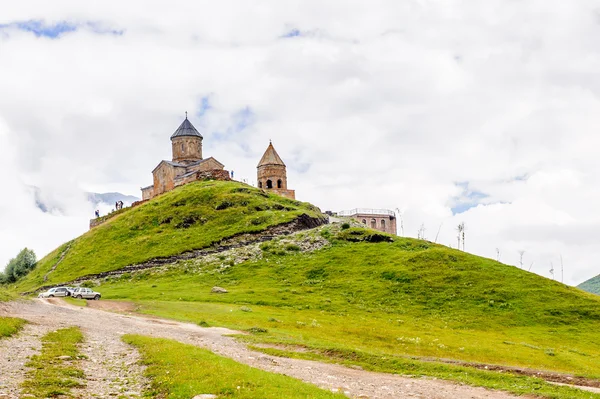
(10, 326)
(386, 300)
(50, 376)
(406, 297)
(6, 295)
(180, 371)
(520, 385)
(190, 217)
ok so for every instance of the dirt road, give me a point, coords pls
(112, 366)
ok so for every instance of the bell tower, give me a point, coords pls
(272, 174)
(186, 143)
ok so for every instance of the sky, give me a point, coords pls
(450, 111)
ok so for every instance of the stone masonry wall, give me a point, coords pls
(384, 223)
(216, 174)
(273, 173)
(187, 149)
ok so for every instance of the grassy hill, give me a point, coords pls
(342, 294)
(191, 217)
(592, 285)
(406, 296)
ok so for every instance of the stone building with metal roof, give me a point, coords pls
(187, 164)
(377, 219)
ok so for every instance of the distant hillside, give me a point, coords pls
(106, 201)
(111, 198)
(592, 285)
(191, 217)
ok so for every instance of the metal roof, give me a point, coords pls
(186, 129)
(367, 211)
(270, 157)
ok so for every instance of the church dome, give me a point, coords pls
(186, 129)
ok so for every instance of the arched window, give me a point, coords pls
(373, 223)
(383, 223)
(181, 147)
(364, 221)
(269, 184)
(279, 183)
(259, 184)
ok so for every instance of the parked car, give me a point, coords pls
(55, 292)
(85, 293)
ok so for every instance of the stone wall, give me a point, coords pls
(147, 192)
(164, 177)
(384, 223)
(274, 173)
(186, 149)
(291, 194)
(215, 174)
(98, 221)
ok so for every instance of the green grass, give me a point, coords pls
(180, 371)
(519, 385)
(194, 216)
(385, 300)
(51, 376)
(10, 326)
(75, 301)
(6, 295)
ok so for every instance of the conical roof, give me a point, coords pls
(270, 157)
(186, 129)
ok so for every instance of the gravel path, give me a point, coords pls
(14, 354)
(112, 367)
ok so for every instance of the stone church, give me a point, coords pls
(188, 166)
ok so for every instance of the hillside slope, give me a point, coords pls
(190, 217)
(405, 296)
(346, 293)
(592, 285)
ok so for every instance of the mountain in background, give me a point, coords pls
(105, 201)
(592, 285)
(111, 198)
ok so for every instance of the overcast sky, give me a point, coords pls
(485, 112)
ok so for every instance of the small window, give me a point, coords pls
(364, 221)
(279, 183)
(181, 147)
(259, 184)
(269, 184)
(383, 223)
(373, 223)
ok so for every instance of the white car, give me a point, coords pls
(55, 292)
(85, 293)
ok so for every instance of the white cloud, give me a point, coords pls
(379, 104)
